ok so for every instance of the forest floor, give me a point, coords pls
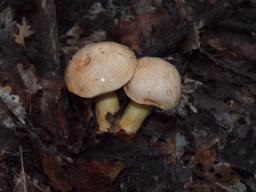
(48, 136)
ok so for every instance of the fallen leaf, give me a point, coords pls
(23, 32)
(189, 86)
(193, 40)
(95, 175)
(107, 168)
(219, 178)
(237, 187)
(14, 104)
(32, 184)
(167, 148)
(197, 186)
(251, 183)
(44, 106)
(29, 79)
(206, 158)
(203, 140)
(52, 167)
(23, 182)
(173, 147)
(82, 181)
(183, 12)
(19, 184)
(131, 32)
(216, 44)
(142, 6)
(74, 33)
(224, 169)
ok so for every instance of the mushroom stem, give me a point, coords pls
(106, 103)
(133, 117)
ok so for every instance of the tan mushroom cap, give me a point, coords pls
(155, 82)
(100, 68)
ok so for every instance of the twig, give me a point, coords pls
(40, 188)
(23, 174)
(237, 26)
(172, 39)
(223, 187)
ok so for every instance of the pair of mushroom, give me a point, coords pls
(99, 69)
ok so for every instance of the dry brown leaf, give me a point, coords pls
(167, 148)
(29, 78)
(24, 32)
(183, 12)
(130, 32)
(95, 175)
(216, 44)
(224, 169)
(220, 178)
(74, 33)
(107, 168)
(193, 39)
(51, 167)
(205, 157)
(173, 147)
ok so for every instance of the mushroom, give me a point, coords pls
(97, 70)
(155, 83)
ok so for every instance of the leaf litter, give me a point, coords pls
(205, 144)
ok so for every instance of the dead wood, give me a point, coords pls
(47, 29)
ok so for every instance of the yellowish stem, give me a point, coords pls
(106, 103)
(133, 117)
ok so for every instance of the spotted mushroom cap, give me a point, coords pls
(155, 82)
(100, 68)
